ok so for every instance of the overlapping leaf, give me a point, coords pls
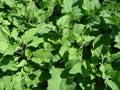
(59, 44)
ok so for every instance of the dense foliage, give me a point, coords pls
(59, 45)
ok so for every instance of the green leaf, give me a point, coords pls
(4, 42)
(83, 40)
(117, 40)
(7, 63)
(37, 60)
(97, 51)
(103, 70)
(17, 81)
(63, 22)
(4, 46)
(115, 56)
(10, 3)
(22, 63)
(76, 12)
(65, 86)
(32, 78)
(36, 41)
(112, 85)
(41, 55)
(73, 54)
(45, 4)
(56, 58)
(7, 82)
(28, 68)
(80, 67)
(71, 63)
(86, 5)
(14, 34)
(2, 86)
(47, 46)
(90, 4)
(76, 68)
(54, 83)
(11, 49)
(65, 46)
(59, 45)
(67, 6)
(5, 31)
(98, 44)
(15, 22)
(78, 28)
(45, 28)
(29, 34)
(28, 54)
(5, 22)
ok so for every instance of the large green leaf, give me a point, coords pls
(117, 40)
(29, 34)
(6, 80)
(90, 4)
(76, 68)
(36, 41)
(59, 44)
(112, 85)
(80, 67)
(11, 49)
(67, 6)
(41, 55)
(54, 83)
(1, 85)
(78, 28)
(45, 28)
(64, 21)
(65, 46)
(14, 34)
(17, 82)
(4, 42)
